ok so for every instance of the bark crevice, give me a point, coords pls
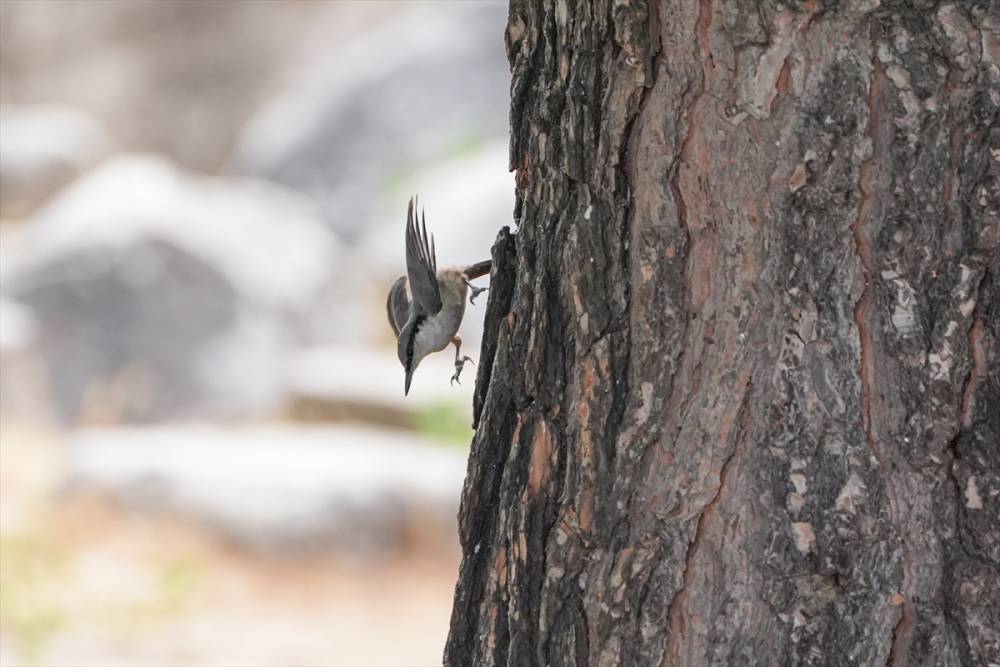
(675, 621)
(867, 186)
(977, 359)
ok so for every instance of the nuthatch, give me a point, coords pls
(430, 321)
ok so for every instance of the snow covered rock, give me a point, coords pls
(44, 147)
(278, 487)
(159, 294)
(424, 86)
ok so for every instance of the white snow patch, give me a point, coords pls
(264, 238)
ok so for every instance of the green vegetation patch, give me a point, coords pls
(445, 421)
(29, 568)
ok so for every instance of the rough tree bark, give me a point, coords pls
(738, 398)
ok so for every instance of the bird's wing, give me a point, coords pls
(421, 265)
(398, 304)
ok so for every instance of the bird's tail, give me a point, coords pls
(478, 269)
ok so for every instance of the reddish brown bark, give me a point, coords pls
(737, 399)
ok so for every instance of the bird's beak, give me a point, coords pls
(406, 387)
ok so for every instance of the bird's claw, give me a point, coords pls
(459, 365)
(476, 291)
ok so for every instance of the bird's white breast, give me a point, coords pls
(435, 333)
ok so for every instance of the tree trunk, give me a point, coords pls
(738, 398)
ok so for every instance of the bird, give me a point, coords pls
(428, 322)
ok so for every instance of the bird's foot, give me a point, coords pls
(476, 291)
(459, 365)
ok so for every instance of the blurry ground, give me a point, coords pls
(87, 581)
(205, 454)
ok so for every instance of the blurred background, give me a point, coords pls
(206, 457)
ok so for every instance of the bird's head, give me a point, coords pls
(411, 349)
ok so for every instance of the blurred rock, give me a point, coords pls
(279, 488)
(23, 389)
(43, 148)
(172, 77)
(431, 83)
(159, 294)
(18, 328)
